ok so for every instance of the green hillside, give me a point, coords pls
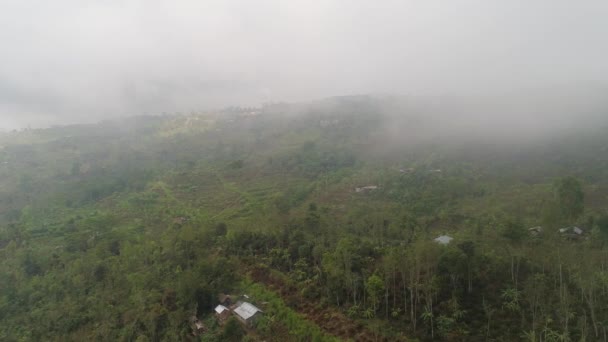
(122, 230)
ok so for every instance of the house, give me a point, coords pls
(366, 188)
(247, 313)
(444, 239)
(534, 231)
(197, 326)
(222, 313)
(572, 232)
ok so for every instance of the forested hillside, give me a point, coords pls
(324, 213)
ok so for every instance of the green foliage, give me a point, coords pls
(299, 329)
(570, 198)
(122, 232)
(221, 229)
(232, 332)
(374, 287)
(293, 197)
(602, 224)
(511, 299)
(513, 231)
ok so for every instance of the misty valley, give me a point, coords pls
(355, 218)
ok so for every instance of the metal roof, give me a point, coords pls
(444, 239)
(220, 308)
(575, 230)
(246, 310)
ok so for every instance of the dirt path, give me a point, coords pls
(329, 320)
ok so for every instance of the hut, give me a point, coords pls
(247, 313)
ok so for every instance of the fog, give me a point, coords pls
(71, 61)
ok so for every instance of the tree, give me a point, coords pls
(221, 229)
(570, 198)
(313, 219)
(514, 232)
(232, 331)
(602, 224)
(453, 266)
(374, 287)
(468, 248)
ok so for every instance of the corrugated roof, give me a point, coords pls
(246, 310)
(575, 230)
(444, 239)
(220, 308)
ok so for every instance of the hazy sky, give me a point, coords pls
(83, 60)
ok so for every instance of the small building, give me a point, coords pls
(534, 231)
(222, 313)
(366, 188)
(572, 232)
(198, 328)
(444, 240)
(247, 313)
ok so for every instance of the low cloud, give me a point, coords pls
(81, 61)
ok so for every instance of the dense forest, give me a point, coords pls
(353, 218)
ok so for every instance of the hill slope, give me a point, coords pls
(121, 230)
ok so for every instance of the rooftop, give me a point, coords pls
(246, 310)
(444, 239)
(366, 188)
(220, 308)
(575, 230)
